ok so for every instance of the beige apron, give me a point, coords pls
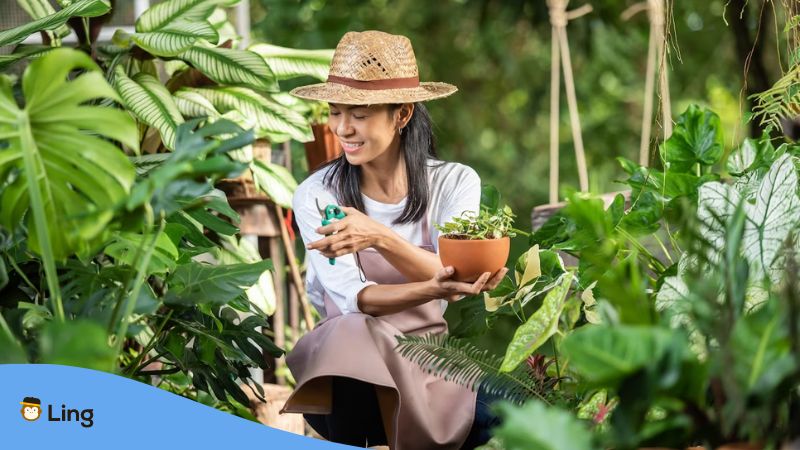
(424, 411)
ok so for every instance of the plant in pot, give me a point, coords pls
(475, 243)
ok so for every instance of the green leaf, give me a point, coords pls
(76, 343)
(275, 181)
(151, 102)
(605, 355)
(192, 104)
(202, 283)
(696, 139)
(536, 426)
(124, 245)
(539, 327)
(263, 114)
(81, 8)
(39, 9)
(490, 198)
(232, 67)
(175, 38)
(289, 63)
(70, 178)
(168, 12)
(22, 52)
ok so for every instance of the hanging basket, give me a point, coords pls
(323, 148)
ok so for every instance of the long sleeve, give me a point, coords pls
(342, 281)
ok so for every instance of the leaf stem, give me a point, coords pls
(33, 168)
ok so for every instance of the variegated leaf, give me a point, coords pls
(82, 8)
(175, 38)
(168, 12)
(291, 63)
(232, 67)
(150, 101)
(192, 104)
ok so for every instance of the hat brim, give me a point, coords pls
(346, 95)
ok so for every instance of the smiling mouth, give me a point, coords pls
(352, 147)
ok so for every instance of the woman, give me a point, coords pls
(387, 279)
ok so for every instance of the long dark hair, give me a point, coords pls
(417, 144)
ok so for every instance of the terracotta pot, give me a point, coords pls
(324, 148)
(471, 258)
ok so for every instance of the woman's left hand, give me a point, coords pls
(355, 232)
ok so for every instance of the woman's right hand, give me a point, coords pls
(452, 290)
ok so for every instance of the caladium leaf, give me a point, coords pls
(771, 215)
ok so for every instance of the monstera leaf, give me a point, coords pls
(81, 8)
(68, 175)
(771, 215)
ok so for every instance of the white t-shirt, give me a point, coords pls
(454, 188)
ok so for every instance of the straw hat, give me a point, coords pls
(372, 68)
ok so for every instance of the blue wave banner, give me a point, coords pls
(71, 407)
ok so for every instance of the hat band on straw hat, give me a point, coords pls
(376, 85)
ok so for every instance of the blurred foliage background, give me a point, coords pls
(498, 53)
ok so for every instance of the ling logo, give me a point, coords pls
(32, 410)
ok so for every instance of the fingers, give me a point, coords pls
(332, 228)
(444, 273)
(477, 286)
(496, 279)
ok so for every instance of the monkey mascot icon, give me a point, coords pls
(31, 408)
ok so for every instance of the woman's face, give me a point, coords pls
(367, 132)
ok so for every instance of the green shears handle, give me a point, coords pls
(330, 214)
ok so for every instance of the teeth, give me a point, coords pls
(349, 145)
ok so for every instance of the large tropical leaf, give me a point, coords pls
(81, 8)
(539, 327)
(771, 215)
(232, 67)
(68, 176)
(39, 9)
(275, 181)
(697, 139)
(175, 38)
(606, 355)
(192, 104)
(150, 101)
(536, 426)
(267, 116)
(124, 248)
(195, 282)
(22, 52)
(290, 63)
(171, 11)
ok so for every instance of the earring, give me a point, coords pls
(400, 130)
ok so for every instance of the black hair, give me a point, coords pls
(417, 143)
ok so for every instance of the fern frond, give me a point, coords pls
(780, 101)
(463, 363)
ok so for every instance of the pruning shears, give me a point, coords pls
(331, 213)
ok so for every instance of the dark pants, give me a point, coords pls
(355, 418)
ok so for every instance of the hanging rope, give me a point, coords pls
(656, 50)
(559, 17)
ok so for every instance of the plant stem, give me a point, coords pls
(555, 357)
(33, 168)
(137, 284)
(7, 330)
(663, 248)
(22, 275)
(150, 344)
